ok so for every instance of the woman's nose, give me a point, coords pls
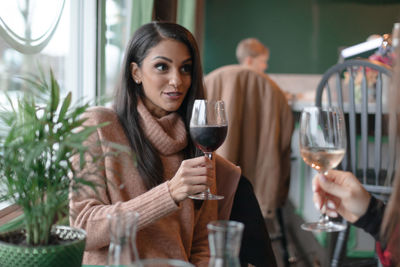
(175, 79)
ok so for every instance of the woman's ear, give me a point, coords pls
(136, 73)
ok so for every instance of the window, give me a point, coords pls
(116, 35)
(29, 26)
(50, 34)
(70, 47)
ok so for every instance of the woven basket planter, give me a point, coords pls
(68, 254)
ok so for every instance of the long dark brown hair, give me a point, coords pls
(128, 92)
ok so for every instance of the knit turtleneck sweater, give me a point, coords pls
(165, 229)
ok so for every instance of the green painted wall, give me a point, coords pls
(303, 35)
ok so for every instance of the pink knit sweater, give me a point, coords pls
(165, 229)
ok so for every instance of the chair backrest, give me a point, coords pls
(360, 89)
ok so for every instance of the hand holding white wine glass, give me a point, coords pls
(208, 129)
(322, 146)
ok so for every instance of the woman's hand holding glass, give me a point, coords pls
(193, 176)
(342, 193)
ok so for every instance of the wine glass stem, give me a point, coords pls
(324, 219)
(208, 154)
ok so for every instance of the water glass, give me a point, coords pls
(122, 250)
(224, 238)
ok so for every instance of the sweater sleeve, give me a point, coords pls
(89, 207)
(371, 221)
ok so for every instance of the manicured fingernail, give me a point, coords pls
(331, 204)
(322, 178)
(314, 188)
(317, 205)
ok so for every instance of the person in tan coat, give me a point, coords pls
(260, 126)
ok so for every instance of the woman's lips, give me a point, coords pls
(173, 95)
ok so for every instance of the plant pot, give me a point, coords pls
(68, 254)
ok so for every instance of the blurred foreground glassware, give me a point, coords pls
(161, 263)
(122, 250)
(224, 239)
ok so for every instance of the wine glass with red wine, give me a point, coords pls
(322, 146)
(208, 129)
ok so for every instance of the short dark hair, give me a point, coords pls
(128, 92)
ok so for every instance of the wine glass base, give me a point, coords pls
(324, 227)
(206, 196)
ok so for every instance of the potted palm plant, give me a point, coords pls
(39, 136)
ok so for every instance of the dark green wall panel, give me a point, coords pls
(303, 35)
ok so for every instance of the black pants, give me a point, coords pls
(256, 247)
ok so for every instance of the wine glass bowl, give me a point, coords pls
(209, 137)
(322, 159)
(208, 130)
(322, 146)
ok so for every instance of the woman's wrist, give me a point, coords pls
(372, 218)
(170, 192)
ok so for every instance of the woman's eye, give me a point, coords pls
(187, 68)
(161, 67)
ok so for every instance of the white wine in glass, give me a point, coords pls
(322, 146)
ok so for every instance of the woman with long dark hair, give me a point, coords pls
(161, 78)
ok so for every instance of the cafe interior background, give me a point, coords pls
(83, 42)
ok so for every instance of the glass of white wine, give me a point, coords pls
(322, 146)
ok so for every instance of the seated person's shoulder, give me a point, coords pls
(100, 114)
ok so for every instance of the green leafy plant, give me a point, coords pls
(39, 137)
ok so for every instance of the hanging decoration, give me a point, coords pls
(27, 44)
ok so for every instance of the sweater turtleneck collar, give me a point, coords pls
(167, 134)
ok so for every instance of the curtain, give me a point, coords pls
(141, 12)
(190, 14)
(186, 15)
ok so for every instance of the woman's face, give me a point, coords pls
(166, 76)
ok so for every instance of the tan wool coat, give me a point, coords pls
(260, 126)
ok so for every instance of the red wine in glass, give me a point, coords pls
(209, 137)
(208, 129)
